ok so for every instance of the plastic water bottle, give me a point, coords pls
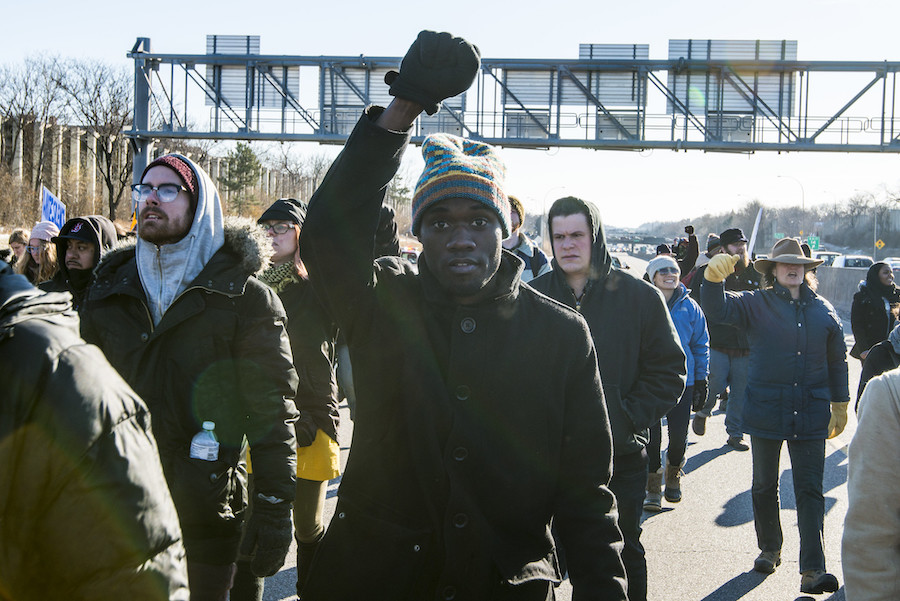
(204, 444)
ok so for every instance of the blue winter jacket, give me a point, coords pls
(798, 358)
(692, 333)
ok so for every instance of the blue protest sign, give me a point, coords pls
(52, 209)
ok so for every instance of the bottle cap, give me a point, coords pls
(209, 425)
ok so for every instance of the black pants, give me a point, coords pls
(629, 483)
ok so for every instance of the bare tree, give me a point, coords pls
(30, 98)
(99, 98)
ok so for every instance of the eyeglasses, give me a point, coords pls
(278, 228)
(38, 248)
(164, 192)
(668, 270)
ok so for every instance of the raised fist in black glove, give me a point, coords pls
(267, 536)
(698, 399)
(437, 66)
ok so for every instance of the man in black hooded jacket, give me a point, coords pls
(80, 244)
(642, 366)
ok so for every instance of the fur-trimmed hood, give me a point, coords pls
(246, 252)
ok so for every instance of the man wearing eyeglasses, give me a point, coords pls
(184, 321)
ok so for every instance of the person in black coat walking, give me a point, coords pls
(874, 311)
(459, 460)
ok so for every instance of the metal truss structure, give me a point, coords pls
(623, 103)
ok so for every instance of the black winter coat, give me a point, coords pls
(220, 353)
(312, 334)
(85, 512)
(642, 365)
(872, 317)
(460, 459)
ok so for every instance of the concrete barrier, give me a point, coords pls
(839, 284)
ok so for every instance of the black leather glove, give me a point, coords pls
(698, 399)
(437, 66)
(267, 536)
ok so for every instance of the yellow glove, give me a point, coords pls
(838, 419)
(720, 267)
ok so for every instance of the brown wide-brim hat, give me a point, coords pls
(786, 250)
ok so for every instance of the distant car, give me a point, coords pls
(856, 261)
(617, 262)
(827, 256)
(894, 262)
(410, 254)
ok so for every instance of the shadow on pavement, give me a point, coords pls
(737, 587)
(700, 459)
(835, 476)
(737, 511)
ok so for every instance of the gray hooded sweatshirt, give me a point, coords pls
(166, 271)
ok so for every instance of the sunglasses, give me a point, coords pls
(668, 270)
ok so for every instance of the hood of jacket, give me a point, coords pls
(601, 261)
(245, 252)
(104, 237)
(19, 300)
(167, 270)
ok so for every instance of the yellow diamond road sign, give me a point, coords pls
(879, 245)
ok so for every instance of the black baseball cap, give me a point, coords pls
(732, 236)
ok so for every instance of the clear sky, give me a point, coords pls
(629, 187)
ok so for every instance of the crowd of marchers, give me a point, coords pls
(171, 413)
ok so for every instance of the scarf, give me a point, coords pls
(277, 277)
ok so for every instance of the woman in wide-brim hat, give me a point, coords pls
(797, 391)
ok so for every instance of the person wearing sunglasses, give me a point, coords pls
(690, 323)
(183, 318)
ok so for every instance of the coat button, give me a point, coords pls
(460, 453)
(449, 593)
(460, 520)
(416, 548)
(467, 325)
(463, 392)
(145, 337)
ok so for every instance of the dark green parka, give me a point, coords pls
(219, 353)
(85, 512)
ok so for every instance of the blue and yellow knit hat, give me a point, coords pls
(459, 168)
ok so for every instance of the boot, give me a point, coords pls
(653, 500)
(305, 554)
(673, 482)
